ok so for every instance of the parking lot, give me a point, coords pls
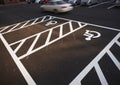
(60, 49)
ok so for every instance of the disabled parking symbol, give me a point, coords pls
(51, 22)
(91, 34)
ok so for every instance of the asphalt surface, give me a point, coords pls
(81, 47)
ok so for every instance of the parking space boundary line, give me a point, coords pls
(100, 74)
(33, 44)
(23, 26)
(46, 44)
(77, 80)
(24, 21)
(13, 27)
(116, 62)
(118, 43)
(18, 47)
(104, 27)
(99, 4)
(20, 66)
(111, 6)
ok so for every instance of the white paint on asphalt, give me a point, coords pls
(84, 72)
(20, 66)
(87, 69)
(91, 34)
(24, 24)
(52, 22)
(116, 62)
(99, 4)
(100, 74)
(48, 42)
(111, 7)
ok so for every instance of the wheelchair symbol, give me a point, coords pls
(51, 22)
(91, 34)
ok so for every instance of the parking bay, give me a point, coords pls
(62, 49)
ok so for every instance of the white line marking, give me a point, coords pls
(118, 43)
(111, 6)
(99, 4)
(12, 28)
(71, 27)
(104, 27)
(20, 66)
(46, 44)
(50, 17)
(33, 44)
(18, 47)
(23, 21)
(4, 28)
(49, 36)
(35, 34)
(34, 21)
(21, 57)
(85, 71)
(100, 75)
(25, 24)
(61, 31)
(116, 62)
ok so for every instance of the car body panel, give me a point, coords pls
(54, 6)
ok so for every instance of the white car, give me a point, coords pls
(57, 6)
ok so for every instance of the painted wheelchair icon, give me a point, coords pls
(91, 34)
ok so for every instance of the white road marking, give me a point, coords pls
(104, 27)
(90, 34)
(46, 44)
(111, 7)
(18, 47)
(13, 27)
(100, 75)
(33, 44)
(71, 27)
(52, 22)
(20, 66)
(116, 62)
(61, 31)
(99, 4)
(4, 29)
(118, 43)
(49, 36)
(34, 21)
(25, 24)
(84, 72)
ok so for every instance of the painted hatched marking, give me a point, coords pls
(48, 40)
(18, 26)
(94, 63)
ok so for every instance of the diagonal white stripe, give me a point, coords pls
(85, 71)
(33, 44)
(18, 47)
(116, 62)
(20, 66)
(100, 75)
